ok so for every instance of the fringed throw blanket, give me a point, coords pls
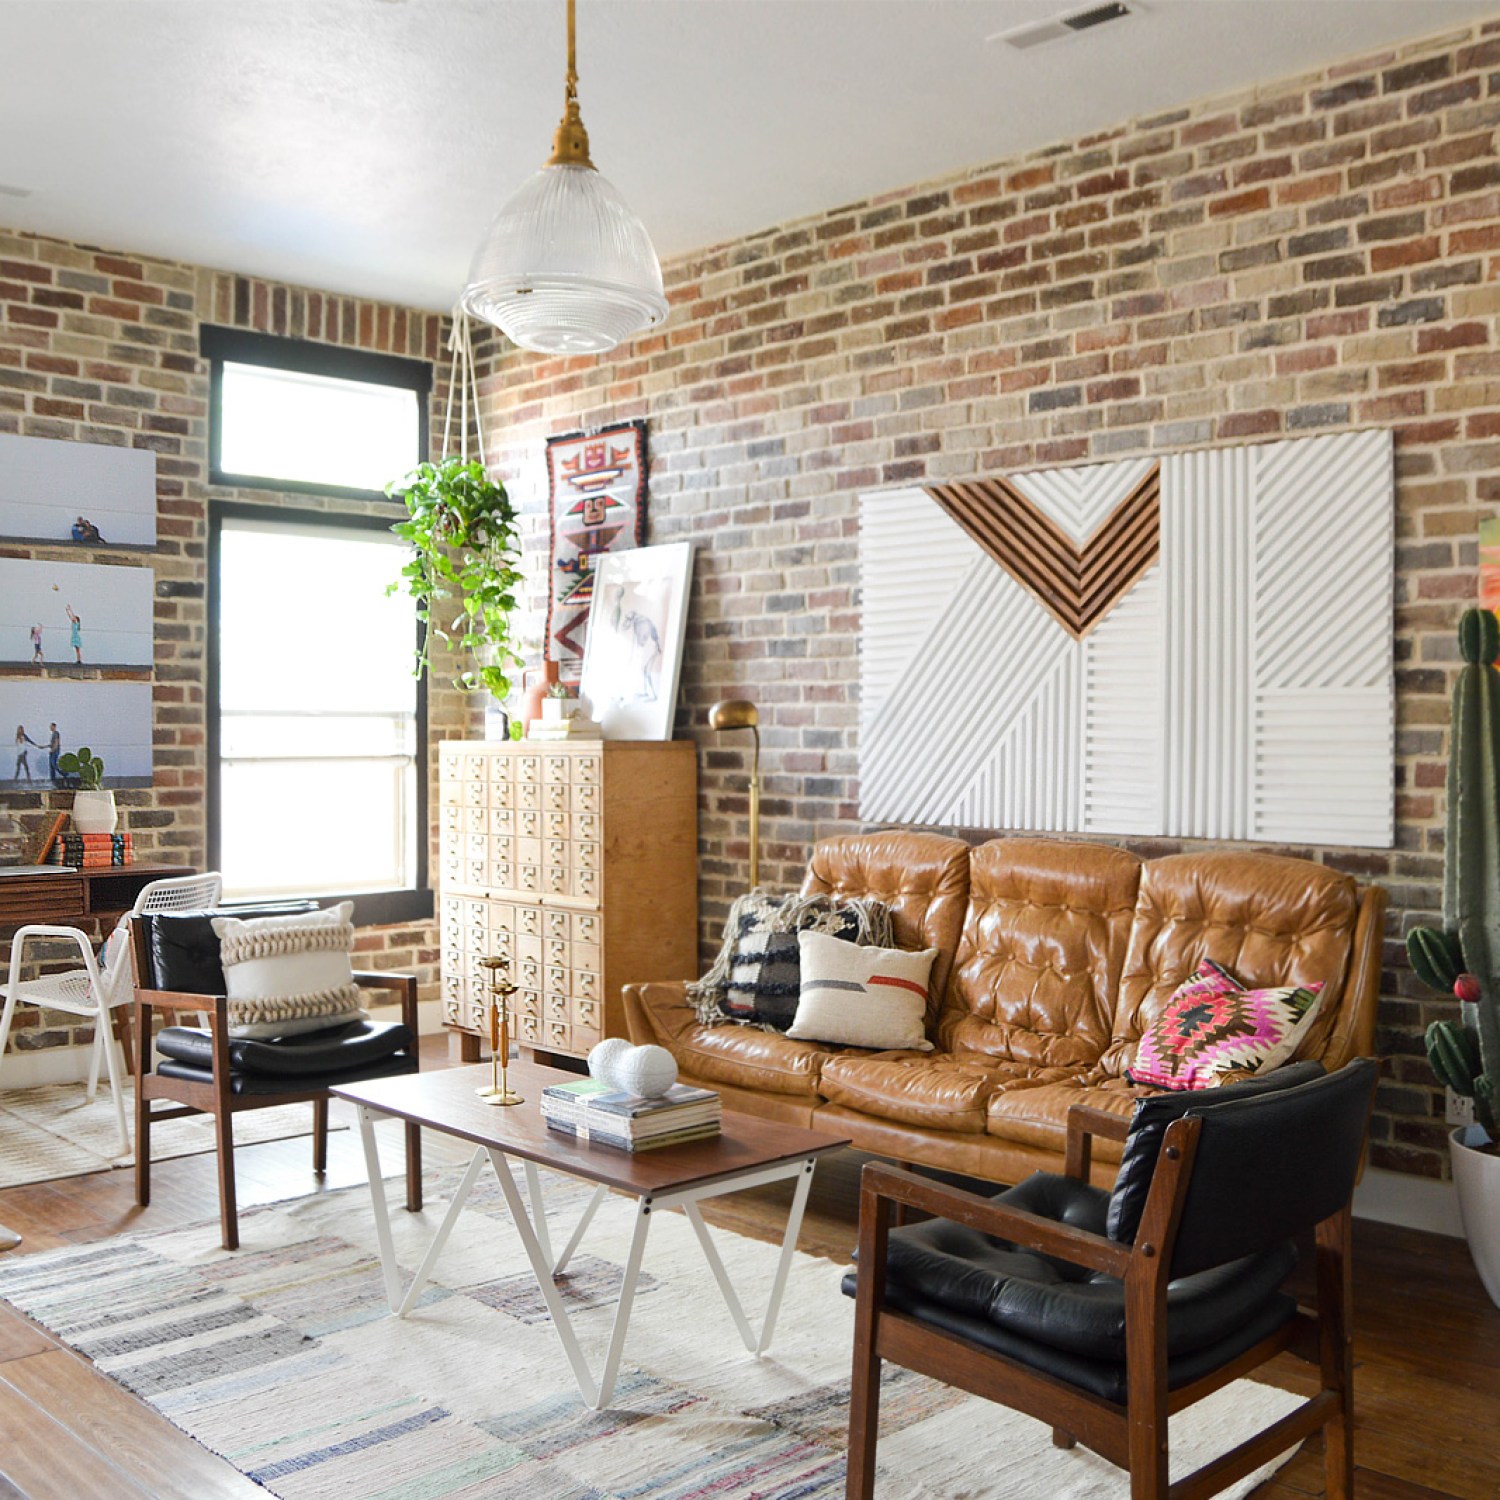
(756, 979)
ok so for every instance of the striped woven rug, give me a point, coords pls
(283, 1359)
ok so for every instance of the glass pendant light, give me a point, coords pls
(566, 268)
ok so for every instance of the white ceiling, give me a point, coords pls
(362, 145)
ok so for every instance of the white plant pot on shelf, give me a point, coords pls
(95, 812)
(1476, 1174)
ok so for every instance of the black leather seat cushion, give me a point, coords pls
(263, 1083)
(1066, 1320)
(355, 1044)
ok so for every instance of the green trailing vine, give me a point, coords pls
(463, 573)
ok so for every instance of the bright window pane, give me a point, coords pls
(318, 712)
(313, 429)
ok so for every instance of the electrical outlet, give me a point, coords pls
(1460, 1109)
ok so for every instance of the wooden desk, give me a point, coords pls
(70, 896)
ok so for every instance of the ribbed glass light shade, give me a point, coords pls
(566, 268)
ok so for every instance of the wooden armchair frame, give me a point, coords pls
(1132, 1435)
(218, 1099)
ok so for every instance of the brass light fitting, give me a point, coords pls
(740, 713)
(570, 142)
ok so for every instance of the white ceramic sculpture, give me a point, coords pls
(602, 1057)
(646, 1071)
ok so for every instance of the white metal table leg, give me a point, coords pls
(627, 1298)
(543, 1274)
(595, 1397)
(435, 1249)
(726, 1286)
(538, 1209)
(756, 1344)
(576, 1238)
(382, 1212)
(788, 1247)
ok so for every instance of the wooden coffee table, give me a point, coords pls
(748, 1153)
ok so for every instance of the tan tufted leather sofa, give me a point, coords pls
(1053, 956)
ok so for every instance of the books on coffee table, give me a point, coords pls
(592, 1111)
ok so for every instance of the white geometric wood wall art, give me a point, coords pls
(1200, 647)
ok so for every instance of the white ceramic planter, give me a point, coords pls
(1476, 1174)
(95, 812)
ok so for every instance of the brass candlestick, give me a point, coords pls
(501, 989)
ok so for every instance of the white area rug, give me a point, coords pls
(53, 1131)
(284, 1359)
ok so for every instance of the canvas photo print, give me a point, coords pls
(42, 721)
(89, 494)
(72, 616)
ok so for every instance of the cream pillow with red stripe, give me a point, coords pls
(862, 997)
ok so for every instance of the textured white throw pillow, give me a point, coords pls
(285, 975)
(862, 997)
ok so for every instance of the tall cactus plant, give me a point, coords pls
(1465, 956)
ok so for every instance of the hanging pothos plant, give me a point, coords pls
(463, 571)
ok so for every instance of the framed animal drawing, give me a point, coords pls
(633, 656)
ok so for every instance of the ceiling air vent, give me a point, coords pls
(1054, 30)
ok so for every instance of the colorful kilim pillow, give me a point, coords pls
(757, 978)
(1212, 1026)
(862, 997)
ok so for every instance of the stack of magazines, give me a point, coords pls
(592, 1111)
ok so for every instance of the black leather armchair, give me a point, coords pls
(203, 1071)
(1104, 1313)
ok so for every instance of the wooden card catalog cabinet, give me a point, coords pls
(578, 863)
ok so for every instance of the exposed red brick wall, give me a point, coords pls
(102, 347)
(1313, 255)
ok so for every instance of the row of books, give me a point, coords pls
(576, 728)
(592, 1111)
(90, 851)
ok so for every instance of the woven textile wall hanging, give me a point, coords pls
(1199, 646)
(596, 488)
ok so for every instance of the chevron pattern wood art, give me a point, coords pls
(1078, 582)
(1199, 647)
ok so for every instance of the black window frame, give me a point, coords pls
(371, 908)
(238, 346)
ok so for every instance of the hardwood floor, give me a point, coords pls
(1427, 1339)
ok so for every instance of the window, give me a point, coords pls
(317, 728)
(291, 415)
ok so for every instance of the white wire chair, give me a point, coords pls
(93, 991)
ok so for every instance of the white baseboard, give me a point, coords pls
(30, 1070)
(1412, 1202)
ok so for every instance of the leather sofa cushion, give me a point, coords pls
(750, 1058)
(1039, 1116)
(1044, 942)
(941, 1091)
(1269, 919)
(355, 1044)
(922, 877)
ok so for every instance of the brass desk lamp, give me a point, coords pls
(740, 713)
